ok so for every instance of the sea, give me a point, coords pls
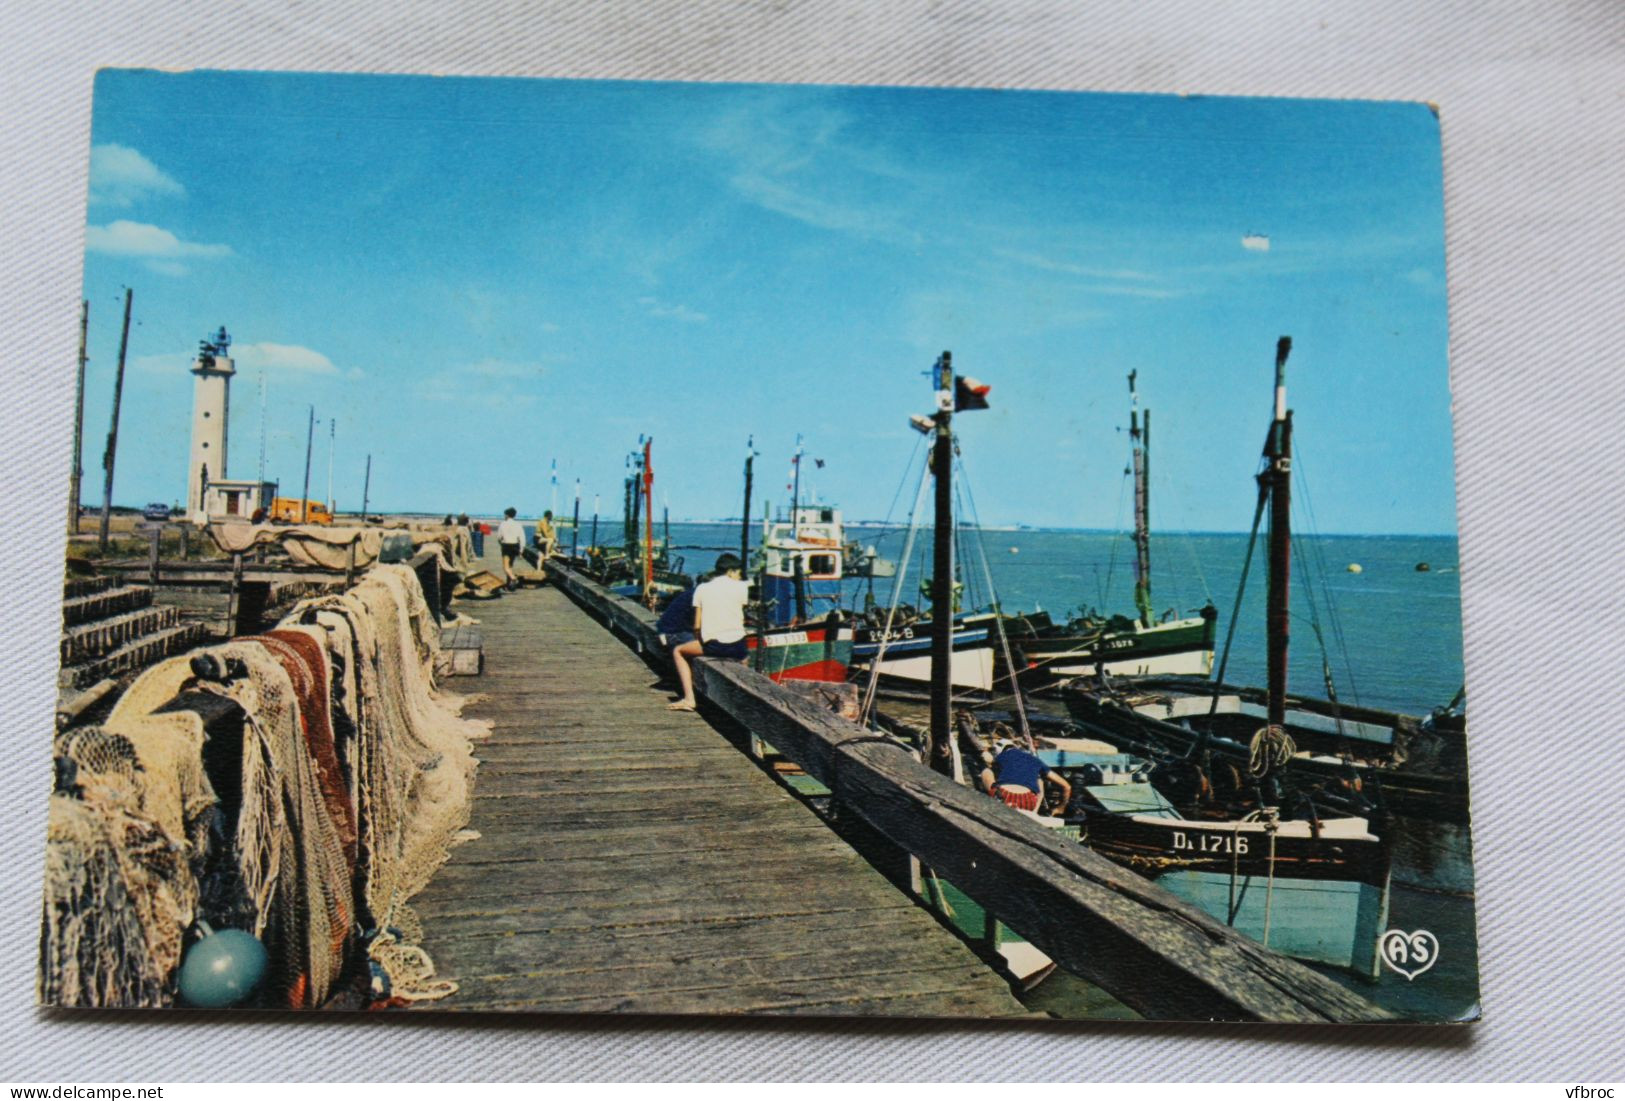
(1379, 615)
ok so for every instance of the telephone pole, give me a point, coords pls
(77, 476)
(112, 429)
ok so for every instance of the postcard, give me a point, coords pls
(549, 546)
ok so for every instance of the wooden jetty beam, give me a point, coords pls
(1149, 949)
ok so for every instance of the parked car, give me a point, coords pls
(155, 511)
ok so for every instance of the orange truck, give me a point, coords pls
(287, 510)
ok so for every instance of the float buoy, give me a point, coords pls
(222, 969)
(1355, 567)
(1015, 550)
(1423, 567)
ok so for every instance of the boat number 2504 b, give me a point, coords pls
(1210, 843)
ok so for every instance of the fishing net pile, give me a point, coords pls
(309, 816)
(328, 546)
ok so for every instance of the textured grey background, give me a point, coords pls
(1534, 146)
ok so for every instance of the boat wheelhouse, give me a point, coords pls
(802, 632)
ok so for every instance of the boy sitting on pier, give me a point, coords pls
(719, 624)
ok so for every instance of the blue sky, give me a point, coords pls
(475, 277)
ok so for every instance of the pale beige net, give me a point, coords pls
(355, 780)
(338, 547)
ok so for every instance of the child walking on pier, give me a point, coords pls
(511, 538)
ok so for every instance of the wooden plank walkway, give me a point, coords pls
(632, 860)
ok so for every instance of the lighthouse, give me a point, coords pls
(211, 411)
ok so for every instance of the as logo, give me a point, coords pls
(1409, 953)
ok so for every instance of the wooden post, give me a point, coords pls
(349, 565)
(235, 593)
(111, 453)
(153, 555)
(76, 478)
(942, 579)
(186, 542)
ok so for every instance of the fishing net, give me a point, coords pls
(328, 546)
(352, 781)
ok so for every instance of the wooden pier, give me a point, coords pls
(631, 859)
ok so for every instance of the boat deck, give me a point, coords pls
(631, 859)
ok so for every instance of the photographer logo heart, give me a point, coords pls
(1409, 953)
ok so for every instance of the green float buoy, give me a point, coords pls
(222, 969)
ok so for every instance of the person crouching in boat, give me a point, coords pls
(1017, 777)
(719, 624)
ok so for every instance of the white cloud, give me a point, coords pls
(159, 249)
(263, 356)
(670, 311)
(1065, 267)
(1255, 242)
(493, 383)
(121, 176)
(267, 356)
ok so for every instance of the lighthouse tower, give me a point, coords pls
(211, 409)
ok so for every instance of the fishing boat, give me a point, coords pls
(901, 651)
(1265, 858)
(801, 631)
(1266, 852)
(1349, 758)
(1120, 645)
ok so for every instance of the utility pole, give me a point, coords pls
(304, 495)
(112, 429)
(78, 422)
(942, 576)
(366, 487)
(332, 430)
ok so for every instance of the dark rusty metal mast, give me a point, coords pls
(744, 517)
(942, 571)
(1278, 452)
(1141, 445)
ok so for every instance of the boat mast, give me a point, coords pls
(633, 484)
(575, 523)
(1142, 502)
(942, 565)
(649, 525)
(1278, 452)
(744, 516)
(795, 493)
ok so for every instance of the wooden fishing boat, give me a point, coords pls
(1313, 888)
(802, 631)
(799, 629)
(1120, 645)
(1350, 758)
(1344, 757)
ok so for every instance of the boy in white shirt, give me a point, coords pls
(510, 537)
(719, 624)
